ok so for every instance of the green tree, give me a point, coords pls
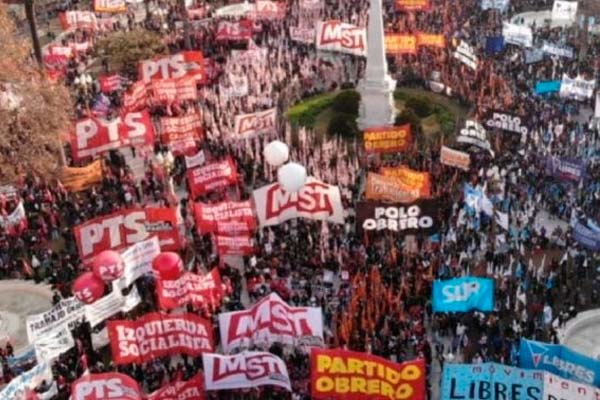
(347, 102)
(124, 50)
(343, 124)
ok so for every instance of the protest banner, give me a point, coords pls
(390, 188)
(255, 123)
(413, 5)
(182, 64)
(110, 6)
(126, 227)
(463, 294)
(106, 386)
(410, 177)
(396, 43)
(181, 133)
(234, 31)
(78, 20)
(518, 35)
(559, 360)
(157, 335)
(543, 87)
(233, 243)
(494, 45)
(249, 369)
(557, 388)
(491, 380)
(586, 237)
(578, 88)
(500, 5)
(565, 168)
(238, 87)
(66, 313)
(110, 83)
(431, 40)
(192, 389)
(136, 98)
(50, 346)
(196, 160)
(16, 221)
(197, 290)
(302, 34)
(207, 216)
(111, 304)
(213, 176)
(419, 217)
(387, 140)
(315, 200)
(167, 91)
(138, 259)
(338, 374)
(564, 12)
(269, 10)
(27, 381)
(557, 50)
(506, 122)
(94, 136)
(466, 54)
(270, 321)
(78, 179)
(341, 37)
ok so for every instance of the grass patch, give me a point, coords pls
(307, 112)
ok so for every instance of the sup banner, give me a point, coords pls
(387, 140)
(269, 321)
(490, 381)
(559, 360)
(463, 294)
(419, 217)
(157, 335)
(338, 374)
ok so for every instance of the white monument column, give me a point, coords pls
(377, 87)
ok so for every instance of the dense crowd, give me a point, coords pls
(377, 298)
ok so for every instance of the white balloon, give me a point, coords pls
(276, 153)
(291, 177)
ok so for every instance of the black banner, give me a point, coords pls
(420, 216)
(506, 122)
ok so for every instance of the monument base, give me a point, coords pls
(377, 108)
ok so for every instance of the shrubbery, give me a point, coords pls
(343, 124)
(421, 106)
(347, 102)
(305, 113)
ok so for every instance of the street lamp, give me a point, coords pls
(167, 162)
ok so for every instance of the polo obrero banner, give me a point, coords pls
(417, 217)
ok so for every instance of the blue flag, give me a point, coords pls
(463, 294)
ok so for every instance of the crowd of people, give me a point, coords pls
(375, 292)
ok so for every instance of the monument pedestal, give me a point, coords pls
(377, 103)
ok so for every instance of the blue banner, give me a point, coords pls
(463, 294)
(490, 381)
(559, 360)
(586, 237)
(494, 44)
(565, 168)
(543, 87)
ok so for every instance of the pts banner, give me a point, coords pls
(348, 375)
(157, 335)
(108, 386)
(184, 64)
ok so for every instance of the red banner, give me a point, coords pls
(198, 290)
(136, 98)
(234, 31)
(416, 179)
(413, 5)
(166, 91)
(431, 39)
(108, 386)
(126, 227)
(184, 64)
(387, 139)
(78, 19)
(157, 335)
(110, 83)
(266, 9)
(213, 176)
(110, 6)
(349, 375)
(181, 133)
(95, 136)
(208, 216)
(239, 245)
(192, 389)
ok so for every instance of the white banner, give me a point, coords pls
(556, 50)
(111, 304)
(235, 10)
(474, 133)
(238, 87)
(341, 37)
(597, 111)
(577, 88)
(466, 54)
(138, 259)
(255, 123)
(270, 321)
(557, 388)
(248, 369)
(66, 313)
(53, 344)
(196, 160)
(316, 200)
(14, 218)
(501, 5)
(519, 35)
(302, 35)
(249, 57)
(564, 11)
(29, 380)
(100, 339)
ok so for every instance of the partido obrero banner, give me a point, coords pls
(158, 335)
(420, 217)
(347, 375)
(387, 140)
(270, 321)
(463, 294)
(390, 188)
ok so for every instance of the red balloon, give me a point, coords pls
(168, 265)
(88, 288)
(108, 265)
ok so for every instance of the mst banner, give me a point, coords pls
(337, 374)
(126, 227)
(387, 140)
(316, 200)
(213, 176)
(197, 290)
(192, 389)
(463, 294)
(183, 64)
(78, 179)
(208, 216)
(559, 360)
(490, 381)
(413, 218)
(255, 123)
(248, 369)
(158, 335)
(110, 385)
(341, 37)
(390, 188)
(270, 321)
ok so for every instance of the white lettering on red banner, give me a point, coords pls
(266, 9)
(255, 123)
(108, 386)
(234, 31)
(302, 35)
(197, 290)
(158, 335)
(237, 244)
(316, 200)
(186, 63)
(212, 176)
(192, 389)
(341, 37)
(181, 133)
(208, 215)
